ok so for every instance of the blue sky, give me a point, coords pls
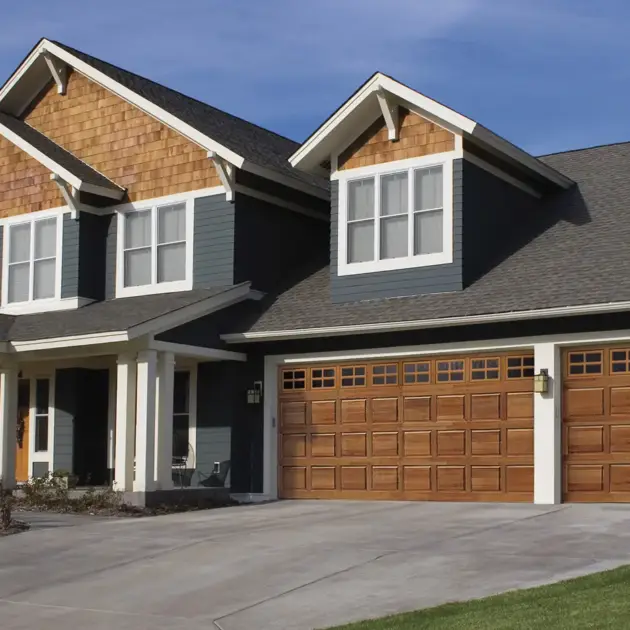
(549, 75)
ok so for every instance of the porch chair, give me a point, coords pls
(216, 479)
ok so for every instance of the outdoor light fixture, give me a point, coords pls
(541, 382)
(254, 394)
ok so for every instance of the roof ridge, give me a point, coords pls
(595, 146)
(170, 89)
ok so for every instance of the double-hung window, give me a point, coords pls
(156, 252)
(32, 260)
(396, 219)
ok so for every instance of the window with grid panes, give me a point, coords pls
(450, 371)
(322, 378)
(619, 361)
(585, 363)
(484, 369)
(520, 367)
(386, 374)
(419, 372)
(353, 376)
(293, 379)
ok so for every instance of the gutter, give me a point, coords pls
(362, 329)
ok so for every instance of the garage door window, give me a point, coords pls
(293, 379)
(353, 376)
(620, 361)
(417, 372)
(450, 371)
(385, 374)
(484, 369)
(322, 378)
(585, 363)
(520, 367)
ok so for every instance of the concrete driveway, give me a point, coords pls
(295, 565)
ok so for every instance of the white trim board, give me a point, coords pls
(329, 331)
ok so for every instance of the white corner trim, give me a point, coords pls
(59, 72)
(329, 331)
(381, 83)
(196, 352)
(58, 170)
(390, 114)
(344, 268)
(225, 172)
(142, 103)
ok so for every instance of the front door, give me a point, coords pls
(22, 433)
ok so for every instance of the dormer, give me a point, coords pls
(406, 213)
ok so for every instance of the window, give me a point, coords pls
(293, 379)
(520, 367)
(397, 219)
(386, 374)
(417, 372)
(322, 378)
(155, 249)
(42, 394)
(484, 369)
(353, 376)
(32, 259)
(619, 361)
(585, 363)
(450, 371)
(181, 415)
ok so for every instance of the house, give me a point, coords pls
(405, 306)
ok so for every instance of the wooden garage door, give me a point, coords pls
(433, 428)
(596, 425)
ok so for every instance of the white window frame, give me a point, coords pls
(445, 160)
(33, 455)
(32, 305)
(153, 205)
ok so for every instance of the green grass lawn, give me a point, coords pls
(600, 601)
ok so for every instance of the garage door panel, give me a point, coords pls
(620, 478)
(620, 401)
(620, 438)
(584, 402)
(585, 478)
(424, 430)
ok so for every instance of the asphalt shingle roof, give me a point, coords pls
(255, 144)
(578, 255)
(110, 316)
(59, 155)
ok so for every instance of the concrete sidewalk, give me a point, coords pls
(295, 565)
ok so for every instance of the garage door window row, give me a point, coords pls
(409, 373)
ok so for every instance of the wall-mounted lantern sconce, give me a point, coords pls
(254, 394)
(541, 382)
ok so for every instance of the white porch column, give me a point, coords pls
(548, 428)
(164, 421)
(125, 422)
(8, 425)
(146, 367)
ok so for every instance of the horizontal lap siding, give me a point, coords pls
(417, 137)
(404, 282)
(110, 257)
(214, 234)
(119, 140)
(65, 412)
(70, 258)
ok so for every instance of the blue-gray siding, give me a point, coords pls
(404, 282)
(271, 241)
(70, 257)
(65, 412)
(110, 258)
(493, 208)
(39, 469)
(213, 255)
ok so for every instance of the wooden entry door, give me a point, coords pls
(23, 432)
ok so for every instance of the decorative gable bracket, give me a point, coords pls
(71, 196)
(59, 71)
(390, 114)
(225, 171)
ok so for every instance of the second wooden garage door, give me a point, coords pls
(441, 428)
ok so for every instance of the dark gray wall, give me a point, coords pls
(387, 284)
(227, 424)
(110, 257)
(66, 382)
(271, 241)
(213, 255)
(498, 219)
(84, 256)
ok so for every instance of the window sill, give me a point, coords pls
(394, 264)
(153, 289)
(44, 306)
